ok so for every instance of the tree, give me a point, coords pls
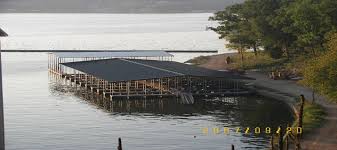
(236, 28)
(308, 21)
(281, 27)
(321, 73)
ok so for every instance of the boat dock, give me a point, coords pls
(138, 74)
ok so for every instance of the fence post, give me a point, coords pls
(280, 140)
(287, 138)
(313, 95)
(300, 122)
(119, 144)
(272, 142)
(287, 143)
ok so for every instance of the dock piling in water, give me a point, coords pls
(119, 144)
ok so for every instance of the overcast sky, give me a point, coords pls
(114, 6)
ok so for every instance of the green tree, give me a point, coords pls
(308, 21)
(280, 27)
(321, 73)
(236, 28)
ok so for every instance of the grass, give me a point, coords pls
(262, 62)
(313, 116)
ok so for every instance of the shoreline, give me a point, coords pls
(323, 137)
(290, 101)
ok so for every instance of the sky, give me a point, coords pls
(113, 6)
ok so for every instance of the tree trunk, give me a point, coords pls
(255, 50)
(242, 58)
(287, 51)
(313, 50)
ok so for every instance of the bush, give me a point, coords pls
(274, 52)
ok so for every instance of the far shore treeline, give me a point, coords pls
(297, 31)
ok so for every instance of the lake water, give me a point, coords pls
(42, 114)
(111, 31)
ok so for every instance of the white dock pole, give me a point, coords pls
(2, 129)
(2, 125)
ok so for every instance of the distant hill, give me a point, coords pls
(113, 6)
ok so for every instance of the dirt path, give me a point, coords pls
(323, 138)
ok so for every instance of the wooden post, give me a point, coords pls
(233, 147)
(300, 122)
(300, 117)
(280, 141)
(313, 95)
(128, 89)
(160, 86)
(287, 138)
(119, 144)
(287, 143)
(272, 142)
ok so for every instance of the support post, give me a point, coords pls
(272, 142)
(287, 143)
(280, 140)
(128, 89)
(313, 95)
(119, 144)
(300, 122)
(2, 124)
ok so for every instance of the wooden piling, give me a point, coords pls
(280, 141)
(300, 122)
(300, 116)
(119, 144)
(286, 143)
(272, 142)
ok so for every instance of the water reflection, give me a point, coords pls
(232, 112)
(223, 112)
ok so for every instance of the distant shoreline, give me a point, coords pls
(169, 51)
(66, 12)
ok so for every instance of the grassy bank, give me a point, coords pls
(313, 117)
(313, 113)
(312, 68)
(262, 62)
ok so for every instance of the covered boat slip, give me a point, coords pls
(128, 78)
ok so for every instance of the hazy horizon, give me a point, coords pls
(113, 6)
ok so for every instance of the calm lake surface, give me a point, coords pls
(43, 114)
(185, 31)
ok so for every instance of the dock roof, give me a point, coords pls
(117, 69)
(117, 53)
